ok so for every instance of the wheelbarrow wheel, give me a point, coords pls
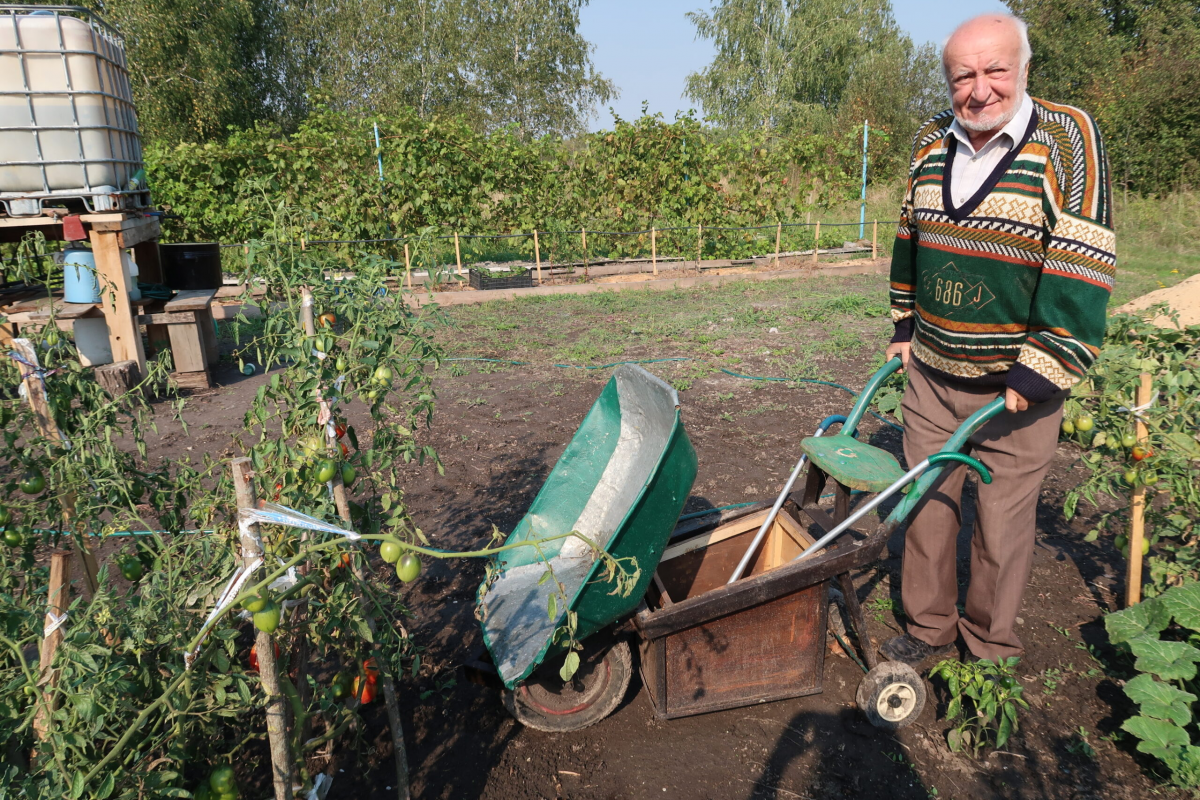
(892, 695)
(546, 702)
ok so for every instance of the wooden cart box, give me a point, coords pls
(706, 646)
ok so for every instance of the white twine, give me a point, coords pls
(53, 622)
(1136, 411)
(232, 589)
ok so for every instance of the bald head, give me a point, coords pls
(986, 61)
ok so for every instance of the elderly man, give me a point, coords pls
(1003, 264)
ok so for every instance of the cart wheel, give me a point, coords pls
(892, 695)
(545, 702)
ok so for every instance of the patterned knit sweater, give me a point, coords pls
(1011, 288)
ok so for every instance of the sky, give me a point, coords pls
(648, 47)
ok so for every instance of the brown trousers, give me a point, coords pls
(1017, 448)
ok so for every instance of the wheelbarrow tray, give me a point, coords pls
(621, 482)
(708, 646)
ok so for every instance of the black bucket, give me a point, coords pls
(195, 265)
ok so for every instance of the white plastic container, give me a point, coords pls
(91, 340)
(67, 122)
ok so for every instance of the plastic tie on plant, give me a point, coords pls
(320, 788)
(232, 589)
(53, 622)
(1136, 411)
(275, 514)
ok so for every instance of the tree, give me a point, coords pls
(784, 63)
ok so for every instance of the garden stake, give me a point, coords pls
(875, 239)
(407, 267)
(58, 600)
(654, 249)
(537, 256)
(308, 321)
(35, 389)
(699, 243)
(457, 253)
(277, 723)
(583, 234)
(1137, 512)
(817, 243)
(778, 237)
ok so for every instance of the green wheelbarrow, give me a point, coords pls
(730, 609)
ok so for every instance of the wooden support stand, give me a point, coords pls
(1137, 511)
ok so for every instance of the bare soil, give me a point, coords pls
(499, 430)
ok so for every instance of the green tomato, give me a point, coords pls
(1084, 423)
(1130, 477)
(383, 374)
(131, 568)
(203, 792)
(32, 482)
(1120, 541)
(13, 538)
(1068, 428)
(222, 780)
(340, 685)
(312, 446)
(325, 470)
(340, 365)
(1145, 547)
(1128, 441)
(255, 603)
(1149, 477)
(348, 475)
(408, 567)
(267, 620)
(390, 552)
(371, 395)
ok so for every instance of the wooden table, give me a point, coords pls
(109, 234)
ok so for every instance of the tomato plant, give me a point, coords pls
(1166, 466)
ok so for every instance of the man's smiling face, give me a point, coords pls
(985, 74)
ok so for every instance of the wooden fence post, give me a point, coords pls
(58, 600)
(457, 253)
(654, 248)
(699, 243)
(817, 243)
(264, 645)
(778, 237)
(1137, 511)
(537, 256)
(583, 234)
(875, 239)
(407, 266)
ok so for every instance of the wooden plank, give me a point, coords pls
(191, 300)
(767, 652)
(123, 333)
(8, 330)
(163, 318)
(147, 230)
(714, 520)
(208, 337)
(187, 347)
(35, 390)
(757, 589)
(58, 601)
(192, 380)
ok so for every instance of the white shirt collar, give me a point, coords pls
(1015, 128)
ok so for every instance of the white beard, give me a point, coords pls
(987, 123)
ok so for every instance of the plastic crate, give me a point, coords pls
(480, 281)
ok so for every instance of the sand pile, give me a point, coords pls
(1183, 297)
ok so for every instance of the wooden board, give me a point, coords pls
(192, 380)
(123, 334)
(190, 300)
(770, 651)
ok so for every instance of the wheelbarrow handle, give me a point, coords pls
(973, 463)
(868, 393)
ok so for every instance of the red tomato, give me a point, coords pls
(1141, 453)
(345, 450)
(254, 655)
(327, 319)
(369, 689)
(340, 429)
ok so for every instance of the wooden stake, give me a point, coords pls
(303, 244)
(875, 239)
(407, 266)
(537, 256)
(457, 253)
(58, 601)
(699, 243)
(35, 390)
(654, 249)
(583, 233)
(778, 237)
(817, 243)
(268, 673)
(1137, 511)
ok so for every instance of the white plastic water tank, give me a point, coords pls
(67, 122)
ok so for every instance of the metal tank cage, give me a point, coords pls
(119, 123)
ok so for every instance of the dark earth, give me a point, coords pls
(499, 430)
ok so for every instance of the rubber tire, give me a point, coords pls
(602, 659)
(892, 695)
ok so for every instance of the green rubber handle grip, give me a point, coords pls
(973, 463)
(864, 398)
